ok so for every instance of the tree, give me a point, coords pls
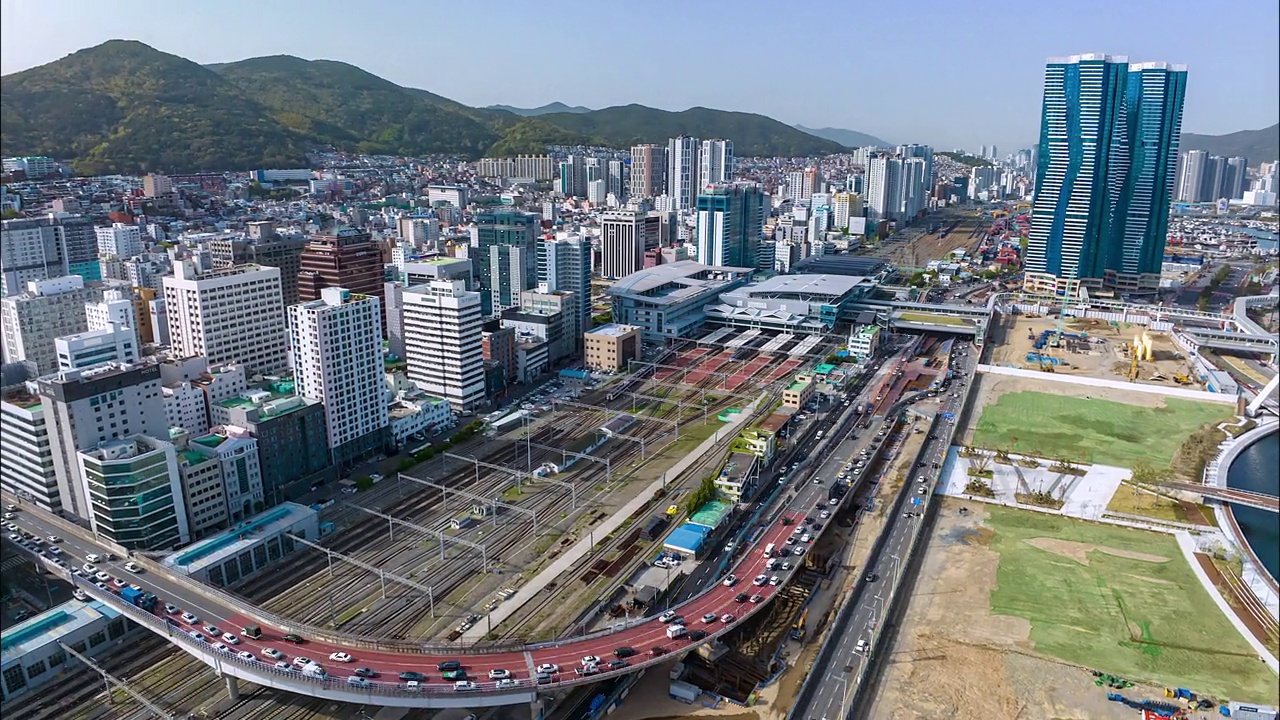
(1145, 473)
(981, 463)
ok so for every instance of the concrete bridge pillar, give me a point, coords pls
(233, 688)
(535, 709)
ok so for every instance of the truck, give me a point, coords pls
(138, 598)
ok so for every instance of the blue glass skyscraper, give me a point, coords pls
(1108, 151)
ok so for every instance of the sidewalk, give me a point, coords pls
(1188, 547)
(584, 546)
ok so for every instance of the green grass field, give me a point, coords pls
(1094, 431)
(1139, 619)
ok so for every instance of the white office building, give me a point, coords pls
(442, 342)
(27, 469)
(47, 310)
(234, 315)
(94, 347)
(236, 452)
(337, 359)
(84, 408)
(121, 240)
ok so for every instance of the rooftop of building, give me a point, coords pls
(841, 265)
(20, 397)
(229, 543)
(271, 400)
(51, 625)
(680, 280)
(613, 330)
(817, 287)
(120, 449)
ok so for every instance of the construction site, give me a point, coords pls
(1090, 348)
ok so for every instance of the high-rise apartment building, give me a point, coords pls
(45, 248)
(682, 172)
(715, 162)
(337, 359)
(234, 315)
(84, 408)
(802, 184)
(844, 206)
(120, 240)
(345, 257)
(648, 171)
(564, 265)
(512, 270)
(49, 309)
(625, 236)
(1108, 152)
(503, 227)
(135, 494)
(442, 325)
(884, 182)
(616, 182)
(730, 223)
(267, 249)
(1191, 175)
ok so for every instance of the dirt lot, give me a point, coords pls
(1010, 345)
(954, 659)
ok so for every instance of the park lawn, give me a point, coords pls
(1140, 619)
(1098, 431)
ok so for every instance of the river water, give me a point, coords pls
(1257, 468)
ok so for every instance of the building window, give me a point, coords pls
(59, 657)
(14, 679)
(116, 628)
(97, 639)
(36, 669)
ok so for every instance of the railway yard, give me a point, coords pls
(668, 408)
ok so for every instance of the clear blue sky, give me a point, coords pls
(948, 73)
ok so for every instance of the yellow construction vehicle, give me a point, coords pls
(1133, 365)
(1182, 379)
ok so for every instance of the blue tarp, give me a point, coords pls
(687, 538)
(574, 374)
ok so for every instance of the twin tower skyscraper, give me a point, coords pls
(1107, 162)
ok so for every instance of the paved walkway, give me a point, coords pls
(1188, 546)
(1178, 392)
(569, 558)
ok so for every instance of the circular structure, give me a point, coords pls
(1254, 469)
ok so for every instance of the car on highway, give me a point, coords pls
(697, 635)
(667, 616)
(212, 630)
(449, 665)
(730, 581)
(590, 660)
(618, 664)
(727, 618)
(102, 576)
(235, 640)
(196, 635)
(282, 665)
(365, 672)
(658, 650)
(709, 618)
(291, 637)
(273, 653)
(825, 514)
(246, 655)
(341, 657)
(775, 580)
(410, 675)
(625, 651)
(757, 598)
(499, 674)
(189, 619)
(119, 583)
(133, 567)
(861, 647)
(302, 661)
(504, 683)
(465, 686)
(88, 569)
(358, 681)
(221, 647)
(741, 598)
(548, 668)
(170, 608)
(872, 577)
(54, 539)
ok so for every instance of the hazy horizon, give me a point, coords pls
(919, 72)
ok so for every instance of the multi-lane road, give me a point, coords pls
(833, 685)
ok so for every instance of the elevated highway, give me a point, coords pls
(714, 612)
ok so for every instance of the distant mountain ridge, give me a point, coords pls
(1257, 146)
(555, 107)
(124, 106)
(847, 138)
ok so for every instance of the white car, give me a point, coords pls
(824, 514)
(341, 657)
(55, 550)
(667, 616)
(119, 583)
(133, 567)
(591, 660)
(730, 581)
(54, 539)
(189, 619)
(760, 580)
(552, 668)
(221, 647)
(102, 576)
(775, 580)
(196, 635)
(282, 665)
(301, 661)
(504, 683)
(499, 674)
(376, 477)
(358, 681)
(273, 653)
(246, 655)
(464, 686)
(231, 638)
(88, 569)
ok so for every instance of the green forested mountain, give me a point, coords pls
(123, 106)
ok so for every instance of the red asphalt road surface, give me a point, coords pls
(718, 600)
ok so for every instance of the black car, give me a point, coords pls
(291, 637)
(618, 664)
(872, 577)
(366, 672)
(697, 634)
(411, 675)
(657, 650)
(449, 665)
(625, 652)
(741, 598)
